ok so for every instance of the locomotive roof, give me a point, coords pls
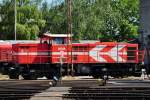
(102, 43)
(56, 35)
(19, 41)
(88, 41)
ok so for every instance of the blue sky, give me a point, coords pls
(49, 1)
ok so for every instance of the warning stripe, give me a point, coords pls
(108, 58)
(108, 53)
(107, 49)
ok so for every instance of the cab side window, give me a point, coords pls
(58, 40)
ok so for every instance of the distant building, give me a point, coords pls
(145, 30)
(145, 21)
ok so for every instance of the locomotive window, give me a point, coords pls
(59, 40)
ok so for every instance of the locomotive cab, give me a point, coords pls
(40, 58)
(58, 46)
(55, 38)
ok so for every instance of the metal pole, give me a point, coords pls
(67, 39)
(69, 30)
(61, 65)
(15, 13)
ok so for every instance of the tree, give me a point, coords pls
(29, 16)
(6, 22)
(129, 10)
(107, 20)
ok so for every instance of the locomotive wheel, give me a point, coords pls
(13, 73)
(29, 76)
(26, 77)
(12, 76)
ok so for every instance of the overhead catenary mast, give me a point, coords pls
(145, 31)
(69, 30)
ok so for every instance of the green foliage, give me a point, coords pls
(22, 32)
(30, 17)
(107, 20)
(6, 20)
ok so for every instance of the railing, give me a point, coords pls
(129, 56)
(5, 55)
(141, 56)
(113, 56)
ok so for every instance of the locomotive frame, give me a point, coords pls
(46, 56)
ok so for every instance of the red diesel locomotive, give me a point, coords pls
(46, 56)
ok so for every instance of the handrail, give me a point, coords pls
(136, 56)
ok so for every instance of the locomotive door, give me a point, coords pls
(61, 52)
(24, 52)
(45, 48)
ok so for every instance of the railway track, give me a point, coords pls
(108, 93)
(23, 89)
(76, 90)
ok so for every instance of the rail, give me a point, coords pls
(115, 93)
